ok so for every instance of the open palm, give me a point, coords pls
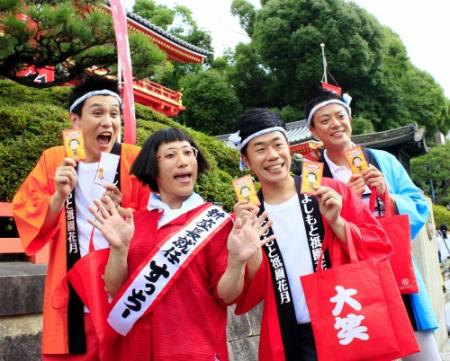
(117, 227)
(244, 240)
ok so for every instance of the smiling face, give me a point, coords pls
(74, 144)
(177, 172)
(331, 125)
(99, 122)
(268, 156)
(357, 162)
(311, 177)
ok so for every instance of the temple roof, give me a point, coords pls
(173, 40)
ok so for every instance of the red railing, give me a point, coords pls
(14, 244)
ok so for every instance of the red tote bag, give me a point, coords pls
(397, 228)
(357, 312)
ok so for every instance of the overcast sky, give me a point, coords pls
(422, 25)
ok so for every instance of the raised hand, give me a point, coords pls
(114, 193)
(375, 179)
(117, 227)
(244, 240)
(65, 178)
(357, 184)
(243, 209)
(330, 203)
(244, 248)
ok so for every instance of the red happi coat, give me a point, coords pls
(363, 226)
(189, 321)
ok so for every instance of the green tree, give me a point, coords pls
(253, 83)
(211, 104)
(246, 13)
(368, 60)
(71, 36)
(179, 22)
(434, 167)
(159, 15)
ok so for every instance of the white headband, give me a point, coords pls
(324, 103)
(235, 138)
(94, 93)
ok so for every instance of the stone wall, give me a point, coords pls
(21, 295)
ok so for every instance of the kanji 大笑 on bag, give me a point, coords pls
(357, 311)
(397, 228)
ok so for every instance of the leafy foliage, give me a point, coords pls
(211, 105)
(441, 215)
(32, 120)
(179, 22)
(282, 64)
(435, 167)
(71, 37)
(246, 14)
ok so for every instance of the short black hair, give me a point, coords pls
(318, 96)
(88, 83)
(256, 119)
(356, 158)
(443, 227)
(145, 166)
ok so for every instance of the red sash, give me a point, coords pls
(150, 281)
(154, 277)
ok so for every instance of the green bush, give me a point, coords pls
(32, 120)
(441, 215)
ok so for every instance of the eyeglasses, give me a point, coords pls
(187, 152)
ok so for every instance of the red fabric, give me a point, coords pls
(398, 229)
(363, 226)
(189, 322)
(30, 205)
(86, 277)
(190, 312)
(91, 346)
(380, 305)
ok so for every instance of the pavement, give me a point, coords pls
(445, 352)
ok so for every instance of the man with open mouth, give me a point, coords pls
(51, 206)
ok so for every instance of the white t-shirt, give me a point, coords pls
(85, 192)
(290, 234)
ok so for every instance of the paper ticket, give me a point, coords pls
(356, 160)
(245, 190)
(74, 144)
(311, 176)
(107, 168)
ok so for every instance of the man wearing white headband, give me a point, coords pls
(329, 120)
(51, 206)
(300, 224)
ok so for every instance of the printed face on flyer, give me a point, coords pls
(311, 176)
(245, 190)
(74, 144)
(356, 160)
